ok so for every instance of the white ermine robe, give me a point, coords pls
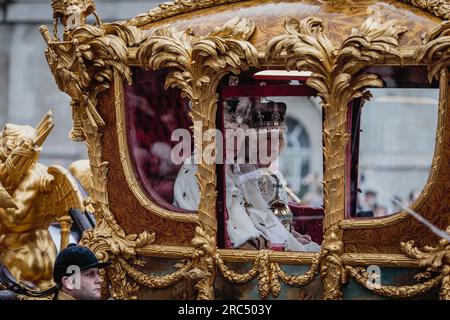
(244, 223)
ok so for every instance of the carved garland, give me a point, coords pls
(403, 292)
(269, 273)
(199, 66)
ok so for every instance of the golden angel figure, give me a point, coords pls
(32, 196)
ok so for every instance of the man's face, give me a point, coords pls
(89, 286)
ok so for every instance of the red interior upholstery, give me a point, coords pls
(153, 113)
(308, 221)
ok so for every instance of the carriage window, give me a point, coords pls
(158, 124)
(396, 146)
(273, 167)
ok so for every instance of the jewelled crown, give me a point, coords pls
(249, 113)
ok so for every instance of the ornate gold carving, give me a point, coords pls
(440, 8)
(173, 8)
(65, 223)
(84, 63)
(304, 279)
(282, 257)
(201, 64)
(150, 281)
(72, 13)
(159, 282)
(336, 76)
(108, 245)
(32, 197)
(269, 273)
(296, 258)
(83, 66)
(134, 184)
(435, 259)
(264, 278)
(235, 277)
(108, 240)
(331, 267)
(386, 260)
(435, 50)
(81, 170)
(362, 278)
(203, 259)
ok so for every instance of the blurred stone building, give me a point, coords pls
(27, 88)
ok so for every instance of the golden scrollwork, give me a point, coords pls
(304, 279)
(108, 240)
(200, 64)
(83, 65)
(435, 260)
(435, 50)
(264, 277)
(440, 8)
(233, 276)
(32, 197)
(337, 77)
(72, 13)
(85, 62)
(203, 260)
